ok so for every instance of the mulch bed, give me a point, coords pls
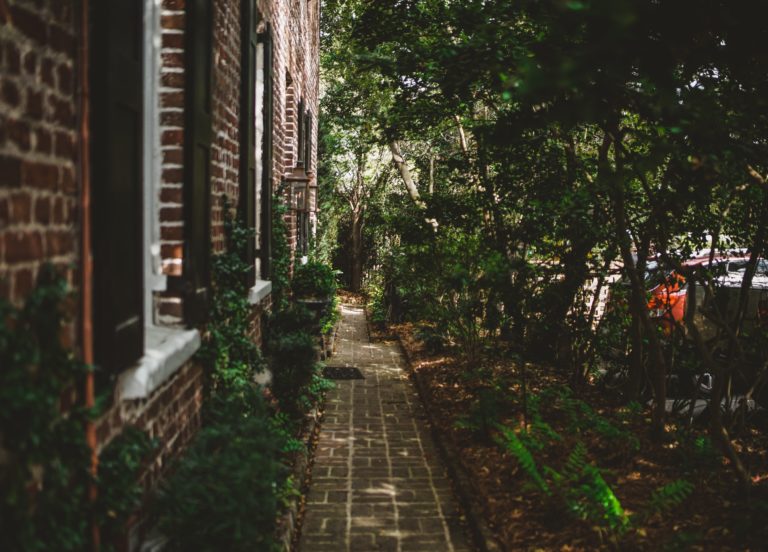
(717, 516)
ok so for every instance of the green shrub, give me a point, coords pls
(314, 280)
(44, 450)
(119, 492)
(223, 494)
(292, 355)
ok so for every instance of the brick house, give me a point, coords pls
(122, 126)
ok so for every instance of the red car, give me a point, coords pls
(667, 303)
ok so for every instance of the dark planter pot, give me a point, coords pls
(318, 307)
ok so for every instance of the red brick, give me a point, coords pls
(40, 175)
(170, 251)
(62, 111)
(171, 214)
(23, 246)
(174, 233)
(46, 72)
(61, 40)
(173, 156)
(5, 213)
(65, 79)
(23, 282)
(34, 104)
(60, 242)
(12, 59)
(10, 93)
(173, 59)
(168, 308)
(43, 140)
(172, 99)
(30, 63)
(43, 210)
(175, 22)
(173, 40)
(10, 171)
(172, 80)
(171, 195)
(30, 24)
(63, 12)
(21, 208)
(68, 181)
(65, 145)
(19, 133)
(173, 175)
(172, 137)
(172, 118)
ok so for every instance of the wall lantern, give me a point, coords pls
(302, 189)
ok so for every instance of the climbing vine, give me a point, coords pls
(44, 458)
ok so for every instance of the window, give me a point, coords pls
(126, 176)
(256, 145)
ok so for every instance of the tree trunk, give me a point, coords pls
(639, 308)
(356, 275)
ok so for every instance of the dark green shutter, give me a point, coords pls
(266, 190)
(248, 42)
(302, 135)
(116, 181)
(308, 141)
(197, 159)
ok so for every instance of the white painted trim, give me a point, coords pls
(165, 351)
(259, 291)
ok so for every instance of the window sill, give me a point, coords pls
(258, 292)
(166, 350)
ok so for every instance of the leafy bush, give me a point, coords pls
(44, 458)
(119, 492)
(314, 280)
(223, 494)
(292, 355)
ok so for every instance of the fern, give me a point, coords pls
(512, 443)
(667, 497)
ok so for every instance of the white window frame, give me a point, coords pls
(165, 349)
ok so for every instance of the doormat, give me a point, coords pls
(342, 373)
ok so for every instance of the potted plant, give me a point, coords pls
(314, 286)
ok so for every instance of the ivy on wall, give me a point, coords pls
(44, 457)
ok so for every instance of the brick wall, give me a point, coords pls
(39, 155)
(296, 42)
(38, 144)
(225, 150)
(172, 134)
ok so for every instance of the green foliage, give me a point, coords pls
(223, 493)
(41, 449)
(313, 280)
(292, 354)
(281, 254)
(512, 443)
(119, 492)
(44, 459)
(668, 497)
(231, 356)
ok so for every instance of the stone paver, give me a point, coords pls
(377, 481)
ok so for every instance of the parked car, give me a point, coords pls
(668, 302)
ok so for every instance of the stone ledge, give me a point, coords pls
(165, 351)
(259, 291)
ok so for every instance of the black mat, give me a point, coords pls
(342, 373)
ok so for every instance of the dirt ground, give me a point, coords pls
(716, 516)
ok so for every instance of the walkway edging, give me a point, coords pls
(482, 535)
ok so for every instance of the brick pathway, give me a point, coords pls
(377, 482)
